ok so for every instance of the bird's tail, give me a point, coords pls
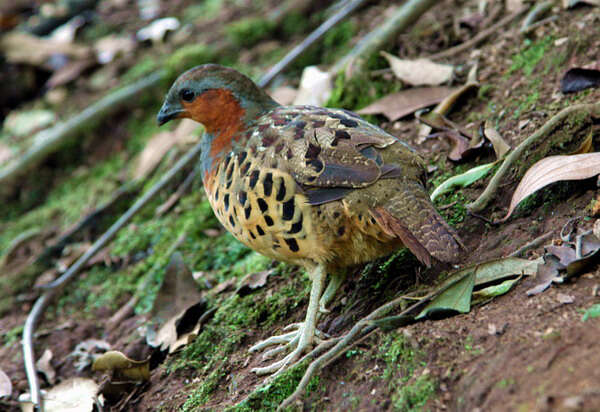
(412, 217)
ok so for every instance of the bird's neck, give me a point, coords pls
(227, 120)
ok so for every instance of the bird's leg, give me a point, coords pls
(332, 287)
(304, 337)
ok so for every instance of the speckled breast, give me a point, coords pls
(261, 207)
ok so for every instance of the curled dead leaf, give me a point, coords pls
(253, 281)
(397, 105)
(554, 169)
(499, 144)
(5, 385)
(419, 72)
(122, 367)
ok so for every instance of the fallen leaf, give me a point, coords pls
(178, 290)
(591, 312)
(499, 269)
(5, 385)
(580, 265)
(457, 298)
(567, 4)
(315, 87)
(565, 254)
(122, 367)
(564, 298)
(284, 95)
(71, 395)
(462, 180)
(24, 123)
(69, 72)
(182, 328)
(400, 104)
(499, 144)
(43, 365)
(495, 290)
(253, 281)
(159, 145)
(158, 29)
(546, 274)
(87, 351)
(554, 169)
(21, 47)
(419, 72)
(578, 79)
(109, 47)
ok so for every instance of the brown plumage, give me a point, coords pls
(317, 187)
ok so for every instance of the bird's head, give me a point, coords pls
(218, 97)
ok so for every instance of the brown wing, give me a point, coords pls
(330, 152)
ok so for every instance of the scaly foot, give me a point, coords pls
(300, 340)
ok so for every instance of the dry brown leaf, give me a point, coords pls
(284, 95)
(20, 47)
(567, 4)
(546, 274)
(315, 87)
(499, 144)
(5, 385)
(122, 367)
(587, 145)
(565, 254)
(160, 144)
(43, 365)
(405, 102)
(564, 298)
(554, 169)
(72, 395)
(253, 281)
(419, 72)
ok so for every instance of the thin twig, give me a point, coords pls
(479, 37)
(308, 41)
(51, 140)
(402, 18)
(484, 198)
(57, 285)
(533, 244)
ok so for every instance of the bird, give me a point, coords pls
(317, 187)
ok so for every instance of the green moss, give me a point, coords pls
(269, 397)
(249, 31)
(12, 336)
(409, 393)
(530, 55)
(334, 45)
(413, 397)
(202, 11)
(358, 92)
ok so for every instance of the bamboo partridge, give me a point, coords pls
(316, 187)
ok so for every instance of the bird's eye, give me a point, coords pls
(187, 95)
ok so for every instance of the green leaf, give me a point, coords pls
(457, 298)
(498, 269)
(591, 312)
(462, 180)
(495, 290)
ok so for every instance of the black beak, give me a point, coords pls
(166, 114)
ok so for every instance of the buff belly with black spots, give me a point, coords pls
(321, 186)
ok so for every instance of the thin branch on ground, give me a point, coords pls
(484, 198)
(53, 139)
(533, 244)
(481, 36)
(308, 41)
(403, 17)
(56, 286)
